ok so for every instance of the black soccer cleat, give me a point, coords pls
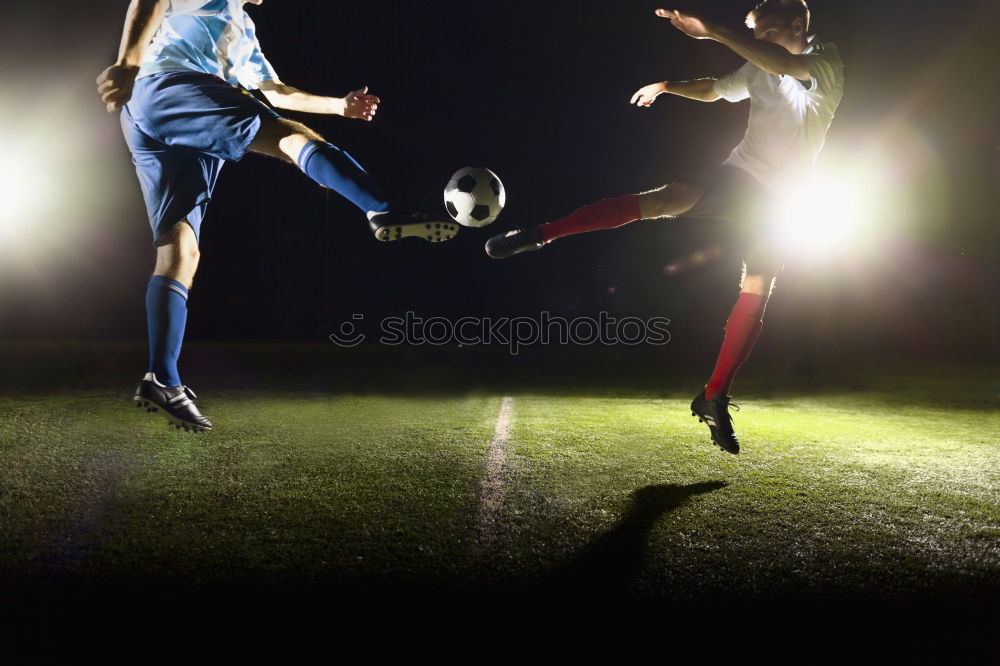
(395, 225)
(514, 242)
(715, 413)
(174, 403)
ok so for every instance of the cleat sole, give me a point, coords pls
(442, 232)
(171, 420)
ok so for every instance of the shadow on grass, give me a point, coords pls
(609, 564)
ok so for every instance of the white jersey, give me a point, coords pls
(788, 118)
(212, 36)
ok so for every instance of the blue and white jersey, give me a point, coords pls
(211, 36)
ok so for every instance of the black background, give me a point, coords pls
(537, 92)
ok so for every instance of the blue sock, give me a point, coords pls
(166, 314)
(332, 167)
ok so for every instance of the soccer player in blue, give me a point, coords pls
(181, 82)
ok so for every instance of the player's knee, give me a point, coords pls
(764, 259)
(291, 145)
(177, 249)
(186, 264)
(669, 200)
(757, 283)
(172, 259)
(768, 268)
(190, 256)
(292, 140)
(282, 138)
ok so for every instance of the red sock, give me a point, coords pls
(742, 329)
(605, 214)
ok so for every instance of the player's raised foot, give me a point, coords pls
(514, 242)
(715, 413)
(397, 224)
(174, 403)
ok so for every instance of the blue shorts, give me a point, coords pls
(180, 127)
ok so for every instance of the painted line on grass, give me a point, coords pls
(493, 490)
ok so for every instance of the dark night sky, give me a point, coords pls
(537, 92)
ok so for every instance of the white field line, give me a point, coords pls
(492, 495)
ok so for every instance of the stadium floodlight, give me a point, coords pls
(819, 215)
(22, 192)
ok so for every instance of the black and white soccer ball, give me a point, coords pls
(474, 196)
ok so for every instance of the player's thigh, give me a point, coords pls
(180, 235)
(765, 257)
(176, 182)
(670, 200)
(282, 138)
(197, 111)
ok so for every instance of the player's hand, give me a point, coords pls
(689, 24)
(114, 85)
(359, 104)
(645, 95)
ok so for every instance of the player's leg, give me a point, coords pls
(667, 201)
(282, 138)
(323, 162)
(761, 267)
(334, 168)
(161, 390)
(177, 254)
(177, 258)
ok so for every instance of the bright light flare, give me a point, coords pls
(26, 190)
(58, 181)
(23, 192)
(821, 215)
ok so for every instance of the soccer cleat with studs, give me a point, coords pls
(715, 413)
(174, 403)
(396, 225)
(514, 242)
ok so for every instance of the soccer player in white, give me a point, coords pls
(794, 83)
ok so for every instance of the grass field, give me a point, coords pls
(884, 492)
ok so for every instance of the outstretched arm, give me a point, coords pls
(142, 20)
(771, 58)
(356, 104)
(699, 89)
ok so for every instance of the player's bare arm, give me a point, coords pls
(142, 20)
(770, 57)
(702, 90)
(356, 104)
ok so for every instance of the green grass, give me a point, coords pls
(862, 493)
(830, 497)
(289, 489)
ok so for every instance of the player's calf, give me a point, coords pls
(669, 201)
(332, 167)
(604, 214)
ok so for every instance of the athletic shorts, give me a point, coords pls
(180, 128)
(732, 194)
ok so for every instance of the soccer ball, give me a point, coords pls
(474, 196)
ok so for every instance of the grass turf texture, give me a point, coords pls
(886, 491)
